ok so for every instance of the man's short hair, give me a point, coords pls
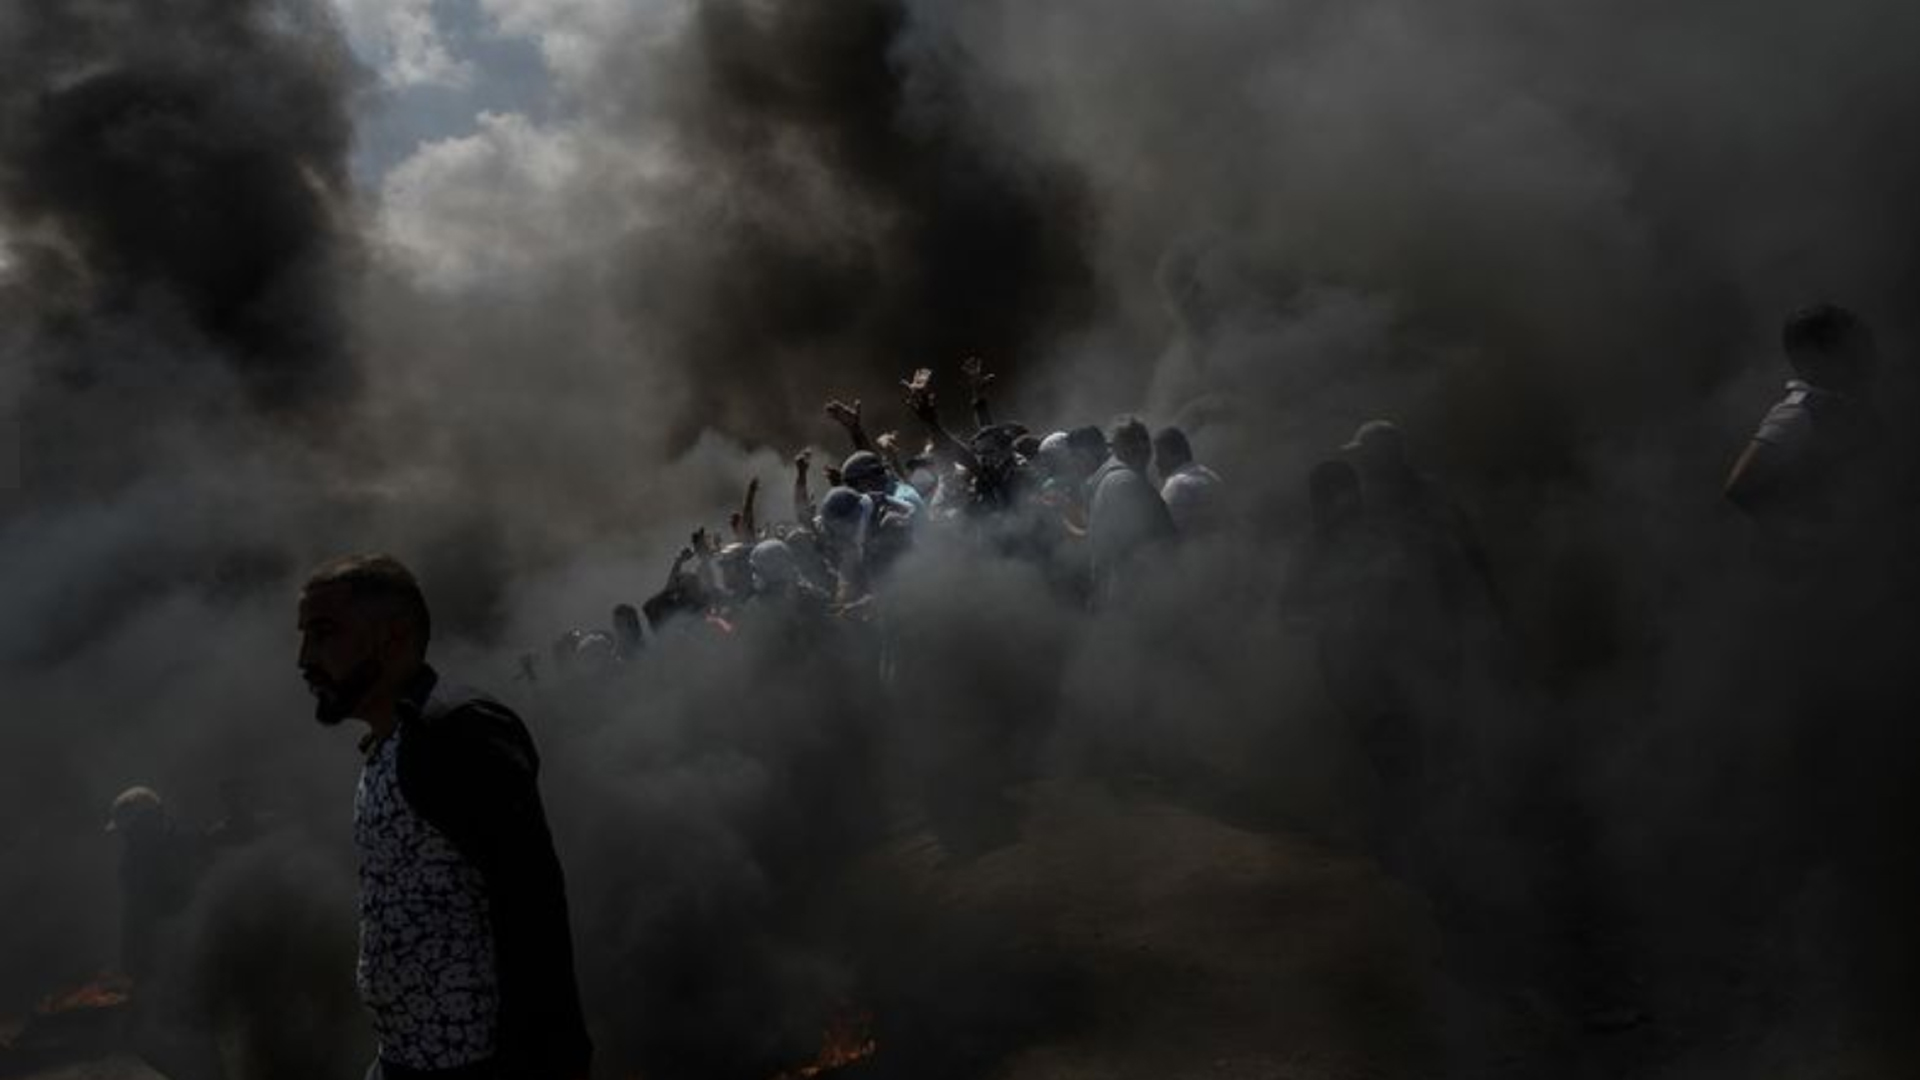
(1130, 429)
(1828, 346)
(377, 577)
(1088, 440)
(1170, 444)
(1822, 328)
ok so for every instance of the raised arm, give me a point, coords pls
(921, 402)
(978, 380)
(848, 417)
(749, 526)
(802, 497)
(887, 445)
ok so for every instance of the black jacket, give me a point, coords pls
(468, 766)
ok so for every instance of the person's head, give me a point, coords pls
(1089, 447)
(774, 567)
(1829, 347)
(1171, 450)
(1378, 451)
(364, 628)
(866, 473)
(1334, 488)
(1131, 443)
(1053, 458)
(843, 518)
(993, 449)
(136, 813)
(736, 576)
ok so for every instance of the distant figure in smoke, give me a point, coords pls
(1815, 463)
(1190, 489)
(1127, 523)
(158, 865)
(1347, 585)
(1433, 537)
(466, 958)
(1423, 622)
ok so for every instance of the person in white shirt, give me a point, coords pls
(1190, 489)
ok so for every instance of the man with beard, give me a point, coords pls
(466, 960)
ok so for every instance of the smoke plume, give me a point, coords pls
(532, 357)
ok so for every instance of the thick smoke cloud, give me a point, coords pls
(168, 226)
(844, 211)
(1554, 245)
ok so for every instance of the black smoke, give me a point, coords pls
(848, 209)
(175, 187)
(1554, 245)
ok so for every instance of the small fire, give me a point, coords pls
(105, 992)
(847, 1040)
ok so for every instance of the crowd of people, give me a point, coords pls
(1390, 581)
(1090, 507)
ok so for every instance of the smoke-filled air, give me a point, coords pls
(974, 540)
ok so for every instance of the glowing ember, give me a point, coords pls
(847, 1040)
(106, 992)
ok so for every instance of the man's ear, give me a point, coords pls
(395, 636)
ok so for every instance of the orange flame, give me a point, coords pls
(847, 1040)
(105, 992)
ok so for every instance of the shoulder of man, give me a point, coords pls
(1116, 477)
(1192, 482)
(1790, 422)
(477, 727)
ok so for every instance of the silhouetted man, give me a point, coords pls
(1813, 463)
(466, 960)
(157, 871)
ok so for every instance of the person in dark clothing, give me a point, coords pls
(1443, 560)
(161, 863)
(1346, 585)
(466, 958)
(158, 866)
(1815, 463)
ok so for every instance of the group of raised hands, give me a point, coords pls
(921, 401)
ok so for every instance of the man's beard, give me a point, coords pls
(334, 701)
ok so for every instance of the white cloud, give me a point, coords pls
(508, 198)
(403, 41)
(575, 36)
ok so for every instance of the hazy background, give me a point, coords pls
(523, 292)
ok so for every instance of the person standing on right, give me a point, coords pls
(1817, 462)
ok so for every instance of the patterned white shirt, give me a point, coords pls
(426, 971)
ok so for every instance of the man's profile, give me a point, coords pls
(466, 959)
